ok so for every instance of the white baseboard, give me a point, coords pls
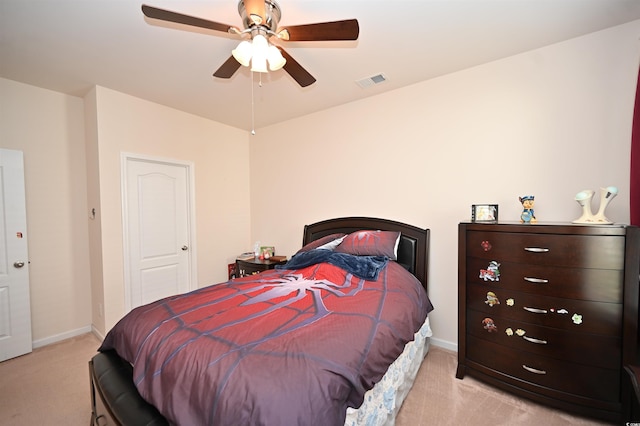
(60, 337)
(444, 344)
(97, 333)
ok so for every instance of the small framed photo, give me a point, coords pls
(484, 213)
(267, 251)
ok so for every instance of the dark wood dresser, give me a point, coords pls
(550, 311)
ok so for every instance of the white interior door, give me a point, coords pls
(15, 307)
(158, 230)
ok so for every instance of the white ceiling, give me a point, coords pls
(71, 45)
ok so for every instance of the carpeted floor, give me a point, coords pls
(51, 387)
(438, 398)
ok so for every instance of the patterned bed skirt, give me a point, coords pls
(382, 403)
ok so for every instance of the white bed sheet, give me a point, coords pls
(382, 403)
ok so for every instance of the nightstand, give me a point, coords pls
(256, 265)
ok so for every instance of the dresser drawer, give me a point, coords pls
(582, 251)
(603, 285)
(567, 314)
(587, 381)
(604, 351)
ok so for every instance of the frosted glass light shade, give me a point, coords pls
(275, 58)
(258, 52)
(259, 58)
(259, 64)
(243, 53)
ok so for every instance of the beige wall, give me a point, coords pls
(48, 127)
(72, 151)
(550, 123)
(219, 154)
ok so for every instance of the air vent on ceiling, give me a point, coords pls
(371, 81)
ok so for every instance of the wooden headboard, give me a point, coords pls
(413, 250)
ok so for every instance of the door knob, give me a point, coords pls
(185, 248)
(18, 264)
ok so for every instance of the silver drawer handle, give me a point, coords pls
(534, 340)
(536, 249)
(535, 310)
(536, 280)
(533, 370)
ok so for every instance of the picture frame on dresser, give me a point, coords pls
(561, 323)
(484, 213)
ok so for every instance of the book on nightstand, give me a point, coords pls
(246, 255)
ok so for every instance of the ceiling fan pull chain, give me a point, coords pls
(253, 117)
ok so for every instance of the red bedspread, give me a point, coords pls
(284, 347)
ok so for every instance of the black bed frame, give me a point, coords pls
(413, 249)
(114, 397)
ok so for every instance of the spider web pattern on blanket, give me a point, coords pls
(221, 338)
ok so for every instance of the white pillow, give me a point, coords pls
(331, 244)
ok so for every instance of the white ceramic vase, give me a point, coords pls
(606, 195)
(584, 199)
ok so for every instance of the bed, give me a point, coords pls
(335, 336)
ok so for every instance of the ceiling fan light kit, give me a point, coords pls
(260, 19)
(257, 53)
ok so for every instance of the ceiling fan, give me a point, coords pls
(260, 20)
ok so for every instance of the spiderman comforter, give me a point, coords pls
(284, 347)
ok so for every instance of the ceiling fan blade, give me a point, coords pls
(228, 69)
(179, 18)
(296, 71)
(255, 10)
(336, 30)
